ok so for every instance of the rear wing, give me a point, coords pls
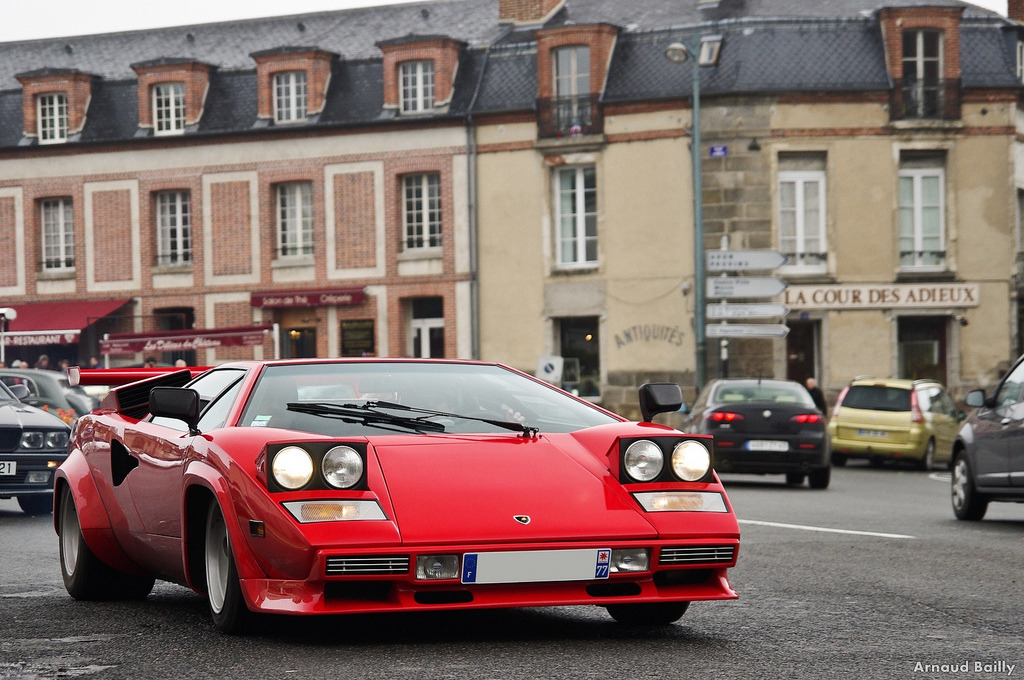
(130, 396)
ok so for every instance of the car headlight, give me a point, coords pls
(342, 467)
(643, 460)
(32, 440)
(293, 467)
(56, 440)
(691, 460)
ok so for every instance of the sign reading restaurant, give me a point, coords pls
(882, 296)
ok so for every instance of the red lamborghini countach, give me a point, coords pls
(381, 485)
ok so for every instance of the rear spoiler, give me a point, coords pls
(130, 396)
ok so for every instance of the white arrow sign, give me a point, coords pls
(744, 286)
(743, 260)
(747, 330)
(754, 310)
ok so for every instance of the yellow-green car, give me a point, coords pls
(886, 418)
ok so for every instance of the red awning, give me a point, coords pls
(56, 323)
(179, 341)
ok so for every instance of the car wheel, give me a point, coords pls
(795, 478)
(86, 577)
(223, 593)
(650, 614)
(36, 504)
(927, 461)
(839, 459)
(968, 504)
(819, 479)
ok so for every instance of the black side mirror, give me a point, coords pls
(658, 398)
(180, 403)
(20, 391)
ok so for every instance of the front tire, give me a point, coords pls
(968, 504)
(223, 592)
(86, 577)
(648, 614)
(36, 504)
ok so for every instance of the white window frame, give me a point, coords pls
(168, 108)
(578, 237)
(422, 228)
(174, 228)
(416, 86)
(917, 209)
(575, 82)
(918, 62)
(800, 258)
(1020, 60)
(57, 227)
(52, 117)
(294, 210)
(289, 93)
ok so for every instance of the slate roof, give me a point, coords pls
(768, 46)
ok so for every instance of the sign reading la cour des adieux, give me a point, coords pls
(882, 296)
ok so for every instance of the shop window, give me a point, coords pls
(426, 328)
(176, 319)
(299, 343)
(578, 344)
(358, 338)
(922, 348)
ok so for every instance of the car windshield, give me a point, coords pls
(877, 398)
(6, 394)
(365, 398)
(761, 390)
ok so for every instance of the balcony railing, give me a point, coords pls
(915, 99)
(569, 116)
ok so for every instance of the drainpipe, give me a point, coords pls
(474, 220)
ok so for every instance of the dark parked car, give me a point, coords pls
(32, 445)
(988, 453)
(764, 427)
(50, 391)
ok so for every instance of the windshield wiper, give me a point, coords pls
(525, 430)
(352, 413)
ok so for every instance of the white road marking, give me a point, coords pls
(824, 529)
(940, 477)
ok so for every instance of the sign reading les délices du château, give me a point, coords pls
(882, 296)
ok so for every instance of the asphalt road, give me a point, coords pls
(872, 578)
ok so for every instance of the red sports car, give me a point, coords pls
(381, 485)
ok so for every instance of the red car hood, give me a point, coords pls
(461, 489)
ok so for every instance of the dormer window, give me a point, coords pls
(417, 86)
(572, 65)
(290, 97)
(922, 73)
(168, 108)
(1020, 61)
(52, 116)
(572, 71)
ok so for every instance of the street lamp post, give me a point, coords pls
(677, 53)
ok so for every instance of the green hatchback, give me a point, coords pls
(886, 418)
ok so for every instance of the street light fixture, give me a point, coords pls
(677, 53)
(6, 314)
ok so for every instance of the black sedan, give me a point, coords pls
(33, 444)
(988, 453)
(764, 427)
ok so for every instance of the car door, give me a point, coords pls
(944, 421)
(998, 428)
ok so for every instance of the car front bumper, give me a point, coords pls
(33, 473)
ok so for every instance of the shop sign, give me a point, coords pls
(883, 296)
(308, 298)
(37, 339)
(128, 343)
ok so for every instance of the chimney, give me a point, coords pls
(529, 11)
(1015, 10)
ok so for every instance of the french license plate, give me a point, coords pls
(767, 445)
(8, 467)
(876, 434)
(536, 566)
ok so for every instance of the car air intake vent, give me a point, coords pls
(361, 565)
(697, 554)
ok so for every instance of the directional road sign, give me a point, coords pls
(755, 310)
(743, 260)
(744, 286)
(747, 330)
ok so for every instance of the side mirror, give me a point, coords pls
(975, 398)
(658, 398)
(180, 403)
(20, 391)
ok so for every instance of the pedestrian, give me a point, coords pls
(64, 364)
(180, 363)
(817, 395)
(150, 362)
(94, 362)
(43, 361)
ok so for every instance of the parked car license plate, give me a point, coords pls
(8, 467)
(536, 566)
(767, 445)
(877, 434)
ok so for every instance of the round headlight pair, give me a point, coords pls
(342, 467)
(644, 460)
